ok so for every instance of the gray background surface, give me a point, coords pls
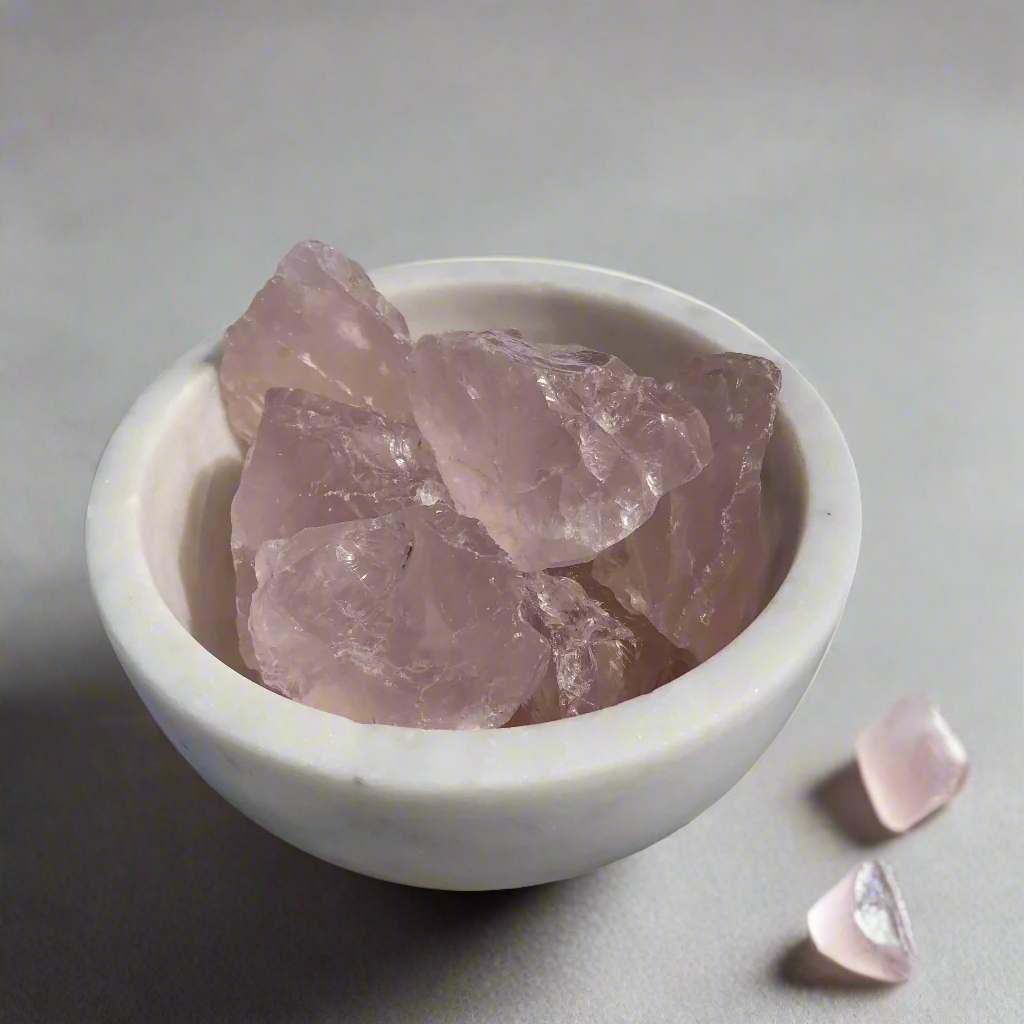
(846, 177)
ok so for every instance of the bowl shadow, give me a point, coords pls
(132, 891)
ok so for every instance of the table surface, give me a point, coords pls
(844, 177)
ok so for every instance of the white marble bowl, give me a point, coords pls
(475, 809)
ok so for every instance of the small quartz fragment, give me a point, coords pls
(602, 654)
(409, 619)
(698, 567)
(317, 324)
(558, 451)
(314, 462)
(862, 924)
(911, 762)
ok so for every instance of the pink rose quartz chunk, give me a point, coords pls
(602, 654)
(698, 568)
(409, 619)
(555, 534)
(862, 924)
(320, 325)
(911, 761)
(315, 462)
(558, 451)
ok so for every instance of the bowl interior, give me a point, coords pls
(190, 481)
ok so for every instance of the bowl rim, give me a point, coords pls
(163, 658)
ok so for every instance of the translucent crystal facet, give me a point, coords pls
(862, 924)
(314, 462)
(911, 762)
(320, 325)
(558, 451)
(602, 654)
(698, 567)
(409, 619)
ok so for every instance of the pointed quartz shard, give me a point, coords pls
(559, 451)
(911, 762)
(602, 654)
(862, 924)
(317, 324)
(699, 567)
(409, 619)
(315, 462)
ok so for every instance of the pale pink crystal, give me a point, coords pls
(314, 462)
(409, 619)
(602, 654)
(911, 762)
(698, 567)
(558, 451)
(862, 924)
(317, 324)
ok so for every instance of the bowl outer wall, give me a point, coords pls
(496, 808)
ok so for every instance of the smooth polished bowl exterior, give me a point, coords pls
(484, 809)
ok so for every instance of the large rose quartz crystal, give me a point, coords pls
(862, 924)
(317, 324)
(911, 761)
(602, 654)
(314, 462)
(408, 619)
(556, 534)
(558, 451)
(698, 567)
